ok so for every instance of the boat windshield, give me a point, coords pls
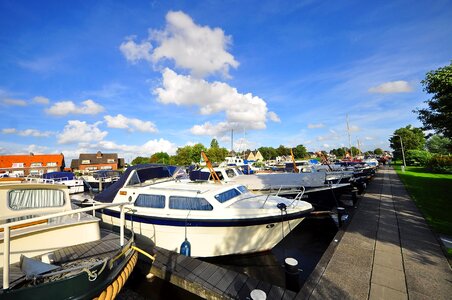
(230, 194)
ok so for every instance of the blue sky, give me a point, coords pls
(140, 77)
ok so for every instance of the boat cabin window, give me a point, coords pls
(220, 176)
(35, 198)
(230, 173)
(152, 201)
(189, 203)
(134, 179)
(228, 195)
(242, 189)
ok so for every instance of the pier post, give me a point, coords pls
(340, 213)
(354, 197)
(292, 273)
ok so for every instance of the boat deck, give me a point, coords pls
(108, 244)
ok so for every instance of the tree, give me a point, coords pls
(268, 152)
(140, 160)
(378, 151)
(300, 151)
(412, 138)
(439, 144)
(214, 144)
(160, 157)
(438, 115)
(281, 151)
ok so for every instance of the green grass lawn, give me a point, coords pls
(432, 194)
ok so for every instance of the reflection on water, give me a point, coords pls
(306, 243)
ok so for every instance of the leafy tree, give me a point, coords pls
(160, 157)
(412, 139)
(438, 115)
(439, 144)
(339, 152)
(378, 151)
(355, 151)
(417, 157)
(300, 151)
(196, 152)
(281, 151)
(268, 152)
(214, 144)
(140, 160)
(216, 154)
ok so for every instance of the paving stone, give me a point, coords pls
(389, 277)
(387, 247)
(378, 292)
(389, 260)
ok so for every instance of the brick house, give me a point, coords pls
(98, 161)
(31, 164)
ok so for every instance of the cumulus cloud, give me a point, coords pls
(135, 52)
(151, 146)
(41, 100)
(130, 124)
(391, 87)
(27, 132)
(273, 117)
(88, 107)
(77, 131)
(241, 110)
(200, 49)
(318, 125)
(14, 102)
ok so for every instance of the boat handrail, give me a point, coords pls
(7, 231)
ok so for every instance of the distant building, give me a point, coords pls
(97, 161)
(31, 164)
(253, 155)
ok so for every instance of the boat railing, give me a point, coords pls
(39, 220)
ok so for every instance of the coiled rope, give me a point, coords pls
(113, 289)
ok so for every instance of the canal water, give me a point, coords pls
(306, 243)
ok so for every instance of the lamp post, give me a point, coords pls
(403, 153)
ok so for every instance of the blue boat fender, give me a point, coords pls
(185, 248)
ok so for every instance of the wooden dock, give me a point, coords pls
(210, 281)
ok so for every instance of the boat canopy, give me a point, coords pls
(59, 175)
(143, 171)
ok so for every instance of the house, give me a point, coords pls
(31, 164)
(97, 161)
(253, 155)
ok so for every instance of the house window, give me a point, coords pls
(18, 165)
(36, 164)
(111, 160)
(51, 164)
(91, 168)
(105, 168)
(86, 162)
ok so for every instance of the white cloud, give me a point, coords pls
(131, 124)
(27, 132)
(211, 129)
(14, 102)
(199, 49)
(147, 149)
(76, 132)
(135, 52)
(273, 117)
(41, 100)
(318, 125)
(243, 111)
(63, 108)
(391, 87)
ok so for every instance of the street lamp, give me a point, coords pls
(403, 153)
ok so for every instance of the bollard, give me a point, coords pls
(354, 197)
(340, 213)
(292, 273)
(258, 295)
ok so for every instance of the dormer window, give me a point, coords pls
(86, 162)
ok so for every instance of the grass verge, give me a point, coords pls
(432, 194)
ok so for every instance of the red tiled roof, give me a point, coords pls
(6, 161)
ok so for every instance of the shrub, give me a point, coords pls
(440, 164)
(417, 157)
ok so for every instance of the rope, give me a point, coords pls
(113, 289)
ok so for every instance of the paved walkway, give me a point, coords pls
(386, 252)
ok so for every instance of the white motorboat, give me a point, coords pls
(74, 184)
(216, 219)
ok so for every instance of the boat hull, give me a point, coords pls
(209, 237)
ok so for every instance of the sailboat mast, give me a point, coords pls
(349, 138)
